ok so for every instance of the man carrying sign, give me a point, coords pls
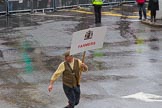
(71, 70)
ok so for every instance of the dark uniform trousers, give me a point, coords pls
(97, 10)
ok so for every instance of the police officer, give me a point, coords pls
(97, 10)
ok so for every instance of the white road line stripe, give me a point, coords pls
(145, 97)
(66, 16)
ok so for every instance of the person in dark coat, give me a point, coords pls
(153, 6)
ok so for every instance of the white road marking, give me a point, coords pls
(145, 97)
(43, 14)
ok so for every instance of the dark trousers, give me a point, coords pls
(153, 15)
(142, 9)
(97, 10)
(73, 95)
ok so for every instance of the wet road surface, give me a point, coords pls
(31, 47)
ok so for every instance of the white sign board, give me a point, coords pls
(88, 39)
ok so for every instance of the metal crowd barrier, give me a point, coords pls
(15, 6)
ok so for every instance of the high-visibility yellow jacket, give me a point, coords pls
(97, 2)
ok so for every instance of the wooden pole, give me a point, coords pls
(83, 57)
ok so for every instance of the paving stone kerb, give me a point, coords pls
(158, 23)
